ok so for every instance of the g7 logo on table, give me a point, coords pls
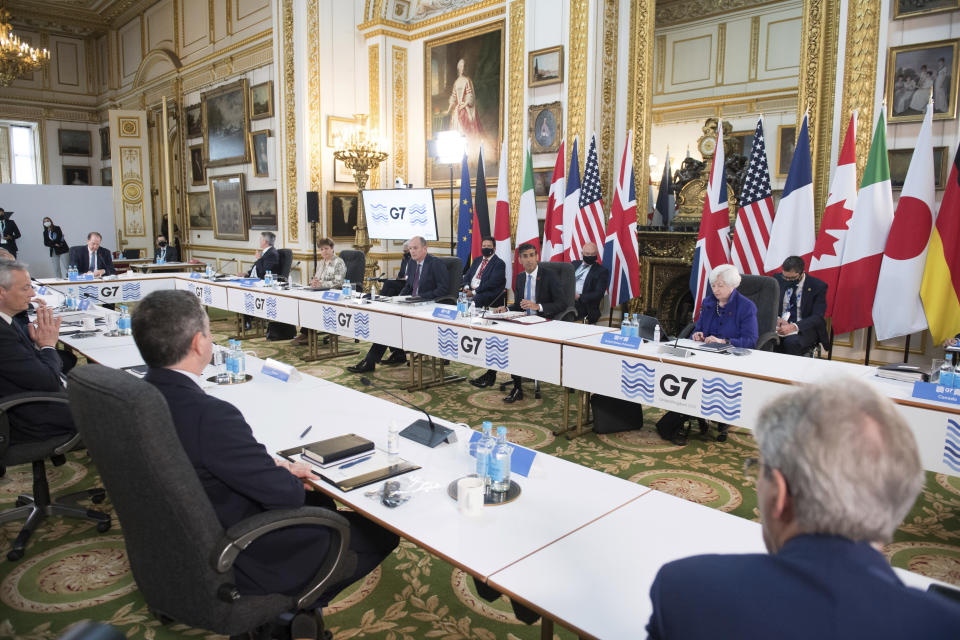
(397, 212)
(343, 319)
(109, 292)
(670, 385)
(471, 344)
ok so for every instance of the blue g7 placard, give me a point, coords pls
(330, 295)
(445, 314)
(624, 342)
(934, 391)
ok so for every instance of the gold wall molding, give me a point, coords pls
(577, 76)
(290, 119)
(660, 55)
(754, 46)
(721, 50)
(817, 88)
(380, 21)
(739, 98)
(32, 108)
(608, 96)
(399, 76)
(517, 85)
(373, 120)
(314, 137)
(639, 96)
(860, 73)
(452, 26)
(673, 12)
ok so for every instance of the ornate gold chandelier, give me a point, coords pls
(17, 58)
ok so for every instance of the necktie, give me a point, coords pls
(93, 261)
(792, 306)
(483, 265)
(415, 287)
(528, 294)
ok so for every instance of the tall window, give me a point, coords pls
(19, 153)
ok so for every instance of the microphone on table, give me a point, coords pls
(422, 431)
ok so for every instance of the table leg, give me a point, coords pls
(546, 628)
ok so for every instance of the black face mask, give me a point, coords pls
(590, 259)
(162, 244)
(487, 252)
(406, 254)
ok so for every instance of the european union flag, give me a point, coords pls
(465, 217)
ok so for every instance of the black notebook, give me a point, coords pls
(333, 449)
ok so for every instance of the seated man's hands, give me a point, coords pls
(528, 305)
(785, 328)
(298, 469)
(45, 331)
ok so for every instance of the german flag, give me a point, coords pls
(940, 290)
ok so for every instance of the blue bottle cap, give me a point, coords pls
(502, 431)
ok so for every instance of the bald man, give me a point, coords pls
(592, 282)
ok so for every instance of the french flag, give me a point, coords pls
(792, 232)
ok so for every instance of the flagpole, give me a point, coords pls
(869, 336)
(906, 349)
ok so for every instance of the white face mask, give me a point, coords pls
(47, 223)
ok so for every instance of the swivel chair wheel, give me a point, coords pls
(22, 500)
(721, 437)
(3, 470)
(97, 498)
(14, 554)
(503, 385)
(103, 526)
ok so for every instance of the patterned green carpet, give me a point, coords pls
(72, 573)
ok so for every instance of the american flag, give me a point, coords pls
(588, 226)
(620, 246)
(755, 218)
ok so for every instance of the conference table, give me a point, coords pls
(722, 387)
(579, 546)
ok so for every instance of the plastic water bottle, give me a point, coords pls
(462, 304)
(347, 289)
(393, 440)
(635, 326)
(71, 300)
(124, 323)
(500, 474)
(471, 309)
(484, 452)
(72, 273)
(625, 325)
(223, 367)
(947, 375)
(268, 278)
(208, 272)
(656, 332)
(230, 357)
(240, 374)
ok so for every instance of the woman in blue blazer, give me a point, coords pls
(725, 315)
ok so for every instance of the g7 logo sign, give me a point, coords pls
(258, 303)
(670, 385)
(198, 291)
(397, 212)
(343, 319)
(470, 344)
(109, 292)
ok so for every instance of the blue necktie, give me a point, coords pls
(93, 261)
(528, 295)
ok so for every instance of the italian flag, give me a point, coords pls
(527, 228)
(866, 239)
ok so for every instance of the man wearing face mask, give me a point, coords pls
(8, 233)
(164, 252)
(486, 279)
(592, 282)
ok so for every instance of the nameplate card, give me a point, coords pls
(87, 276)
(195, 275)
(521, 458)
(934, 391)
(624, 342)
(84, 304)
(41, 290)
(248, 282)
(445, 314)
(330, 295)
(278, 370)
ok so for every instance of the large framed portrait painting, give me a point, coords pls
(229, 203)
(464, 93)
(225, 125)
(915, 73)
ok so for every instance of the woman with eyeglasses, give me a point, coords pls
(59, 249)
(725, 315)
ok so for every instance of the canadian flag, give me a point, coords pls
(828, 250)
(553, 249)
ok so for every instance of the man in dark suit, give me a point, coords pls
(92, 258)
(592, 282)
(268, 258)
(164, 252)
(427, 279)
(838, 471)
(803, 301)
(486, 278)
(30, 362)
(241, 479)
(9, 232)
(535, 291)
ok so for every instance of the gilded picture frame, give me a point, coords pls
(338, 126)
(75, 142)
(261, 100)
(342, 214)
(198, 170)
(545, 127)
(899, 162)
(228, 201)
(194, 120)
(226, 121)
(786, 143)
(913, 72)
(463, 91)
(545, 66)
(198, 210)
(259, 149)
(262, 206)
(909, 8)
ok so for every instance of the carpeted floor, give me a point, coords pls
(72, 573)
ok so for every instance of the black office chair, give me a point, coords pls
(131, 254)
(180, 555)
(286, 261)
(356, 264)
(565, 274)
(764, 292)
(646, 326)
(39, 506)
(454, 278)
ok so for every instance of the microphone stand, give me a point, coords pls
(422, 431)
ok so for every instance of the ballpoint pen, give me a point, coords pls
(353, 462)
(305, 432)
